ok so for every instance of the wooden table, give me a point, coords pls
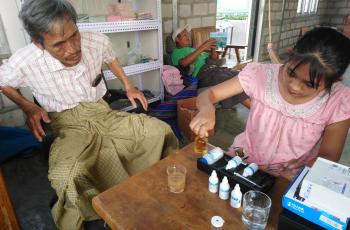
(8, 218)
(144, 202)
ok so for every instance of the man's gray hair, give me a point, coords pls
(38, 16)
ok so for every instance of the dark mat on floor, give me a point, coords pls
(30, 190)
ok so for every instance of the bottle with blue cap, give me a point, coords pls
(213, 156)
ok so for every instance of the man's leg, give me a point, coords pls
(149, 139)
(94, 151)
(80, 167)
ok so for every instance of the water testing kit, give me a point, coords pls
(259, 181)
(327, 186)
(314, 212)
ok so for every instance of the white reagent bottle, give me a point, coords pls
(236, 197)
(233, 163)
(224, 190)
(213, 156)
(250, 170)
(213, 182)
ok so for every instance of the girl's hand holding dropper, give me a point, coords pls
(203, 121)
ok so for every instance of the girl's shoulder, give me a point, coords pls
(255, 76)
(337, 107)
(339, 92)
(261, 68)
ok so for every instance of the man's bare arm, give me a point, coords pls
(35, 113)
(186, 61)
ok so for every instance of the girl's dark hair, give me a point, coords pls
(38, 16)
(327, 51)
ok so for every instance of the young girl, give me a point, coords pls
(299, 110)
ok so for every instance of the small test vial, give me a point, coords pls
(250, 170)
(217, 223)
(201, 145)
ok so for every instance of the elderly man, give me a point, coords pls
(201, 64)
(95, 147)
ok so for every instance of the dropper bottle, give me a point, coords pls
(224, 191)
(236, 197)
(213, 182)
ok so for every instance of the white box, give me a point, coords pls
(327, 186)
(296, 204)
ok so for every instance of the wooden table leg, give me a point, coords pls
(8, 218)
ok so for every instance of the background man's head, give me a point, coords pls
(181, 36)
(51, 25)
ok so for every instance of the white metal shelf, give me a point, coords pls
(123, 26)
(135, 69)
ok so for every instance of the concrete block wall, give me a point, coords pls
(196, 13)
(336, 12)
(286, 26)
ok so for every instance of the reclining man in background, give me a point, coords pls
(204, 65)
(95, 147)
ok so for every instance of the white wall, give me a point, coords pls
(15, 33)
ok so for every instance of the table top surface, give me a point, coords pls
(144, 201)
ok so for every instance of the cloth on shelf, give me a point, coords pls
(172, 80)
(120, 12)
(144, 16)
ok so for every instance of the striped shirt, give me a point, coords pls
(55, 86)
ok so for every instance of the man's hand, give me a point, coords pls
(133, 93)
(208, 44)
(35, 115)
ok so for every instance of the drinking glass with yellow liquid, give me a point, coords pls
(201, 145)
(176, 178)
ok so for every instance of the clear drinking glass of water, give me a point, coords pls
(256, 209)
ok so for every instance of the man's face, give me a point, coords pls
(183, 39)
(63, 42)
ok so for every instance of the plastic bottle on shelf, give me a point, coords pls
(236, 197)
(250, 170)
(224, 190)
(213, 182)
(134, 55)
(233, 163)
(213, 156)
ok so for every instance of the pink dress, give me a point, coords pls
(277, 131)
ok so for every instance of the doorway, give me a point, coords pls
(238, 18)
